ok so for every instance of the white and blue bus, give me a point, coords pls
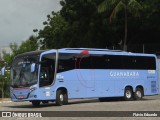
(70, 73)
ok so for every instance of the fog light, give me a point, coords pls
(35, 96)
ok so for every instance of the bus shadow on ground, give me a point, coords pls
(79, 101)
(51, 104)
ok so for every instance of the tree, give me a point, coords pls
(131, 6)
(4, 82)
(86, 27)
(26, 46)
(77, 24)
(51, 36)
(150, 27)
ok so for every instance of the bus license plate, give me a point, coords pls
(20, 97)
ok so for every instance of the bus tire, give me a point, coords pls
(138, 94)
(36, 103)
(45, 102)
(102, 99)
(61, 98)
(65, 102)
(128, 94)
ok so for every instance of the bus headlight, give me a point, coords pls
(32, 89)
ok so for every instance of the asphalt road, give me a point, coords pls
(150, 103)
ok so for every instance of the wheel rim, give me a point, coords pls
(61, 97)
(139, 94)
(128, 94)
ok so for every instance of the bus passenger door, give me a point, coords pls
(46, 75)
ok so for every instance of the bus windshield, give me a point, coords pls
(21, 75)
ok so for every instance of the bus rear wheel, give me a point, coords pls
(102, 99)
(36, 103)
(138, 94)
(61, 98)
(45, 102)
(128, 94)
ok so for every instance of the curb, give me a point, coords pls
(5, 101)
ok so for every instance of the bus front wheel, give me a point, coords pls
(61, 98)
(128, 94)
(138, 94)
(36, 103)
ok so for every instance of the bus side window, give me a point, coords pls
(66, 62)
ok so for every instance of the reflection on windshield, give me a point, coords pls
(21, 75)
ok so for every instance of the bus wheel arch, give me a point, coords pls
(128, 93)
(139, 92)
(61, 96)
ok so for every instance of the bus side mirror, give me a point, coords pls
(3, 71)
(33, 66)
(23, 65)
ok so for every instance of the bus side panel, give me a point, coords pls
(100, 85)
(85, 83)
(71, 82)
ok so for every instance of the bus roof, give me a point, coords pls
(103, 51)
(92, 49)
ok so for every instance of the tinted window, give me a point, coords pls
(47, 69)
(66, 62)
(123, 62)
(77, 61)
(85, 62)
(151, 63)
(99, 62)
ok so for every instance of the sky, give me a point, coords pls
(18, 18)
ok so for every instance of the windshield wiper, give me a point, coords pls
(17, 86)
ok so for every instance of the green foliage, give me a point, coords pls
(78, 24)
(86, 28)
(26, 46)
(53, 32)
(150, 27)
(4, 82)
(4, 85)
(131, 6)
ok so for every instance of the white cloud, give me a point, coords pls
(18, 18)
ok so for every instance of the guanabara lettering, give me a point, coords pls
(124, 74)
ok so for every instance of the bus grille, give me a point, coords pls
(153, 87)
